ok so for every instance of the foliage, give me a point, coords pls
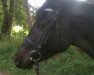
(19, 14)
(1, 15)
(8, 48)
(20, 34)
(71, 62)
(8, 11)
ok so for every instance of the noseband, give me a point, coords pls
(43, 40)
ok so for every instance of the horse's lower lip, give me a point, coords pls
(27, 67)
(24, 66)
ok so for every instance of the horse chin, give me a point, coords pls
(24, 65)
(27, 67)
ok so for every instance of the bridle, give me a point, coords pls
(44, 39)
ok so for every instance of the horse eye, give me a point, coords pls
(41, 26)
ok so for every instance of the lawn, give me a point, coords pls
(71, 62)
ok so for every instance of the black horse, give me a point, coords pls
(59, 24)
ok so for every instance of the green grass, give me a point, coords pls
(7, 51)
(71, 62)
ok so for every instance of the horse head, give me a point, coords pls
(40, 42)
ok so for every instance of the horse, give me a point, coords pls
(58, 25)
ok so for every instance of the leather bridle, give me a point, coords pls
(43, 40)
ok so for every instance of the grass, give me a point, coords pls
(71, 62)
(7, 51)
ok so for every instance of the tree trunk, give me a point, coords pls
(28, 13)
(8, 16)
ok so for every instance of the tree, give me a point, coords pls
(15, 12)
(8, 11)
(27, 7)
(21, 14)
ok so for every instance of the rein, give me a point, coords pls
(43, 41)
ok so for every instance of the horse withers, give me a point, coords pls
(59, 24)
